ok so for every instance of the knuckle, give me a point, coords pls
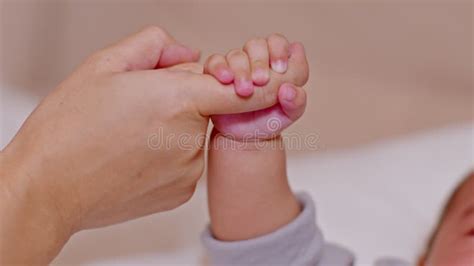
(276, 37)
(179, 197)
(187, 194)
(156, 34)
(154, 30)
(235, 53)
(189, 176)
(99, 60)
(215, 58)
(258, 41)
(188, 186)
(195, 173)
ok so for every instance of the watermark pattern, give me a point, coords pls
(258, 139)
(274, 125)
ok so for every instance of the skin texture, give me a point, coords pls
(84, 159)
(251, 201)
(454, 241)
(254, 200)
(249, 69)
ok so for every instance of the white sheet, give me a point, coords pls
(379, 200)
(384, 199)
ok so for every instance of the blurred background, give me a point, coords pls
(381, 71)
(378, 68)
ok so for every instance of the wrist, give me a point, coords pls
(223, 142)
(32, 228)
(248, 183)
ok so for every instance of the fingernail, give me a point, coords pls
(289, 93)
(226, 76)
(244, 87)
(260, 76)
(279, 66)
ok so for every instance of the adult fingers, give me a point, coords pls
(209, 96)
(195, 68)
(212, 98)
(142, 51)
(175, 53)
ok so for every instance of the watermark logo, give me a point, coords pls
(274, 124)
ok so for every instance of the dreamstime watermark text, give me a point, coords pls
(266, 138)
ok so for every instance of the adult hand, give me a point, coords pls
(121, 138)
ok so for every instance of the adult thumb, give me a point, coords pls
(213, 98)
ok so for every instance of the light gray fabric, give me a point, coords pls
(299, 243)
(390, 262)
(334, 255)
